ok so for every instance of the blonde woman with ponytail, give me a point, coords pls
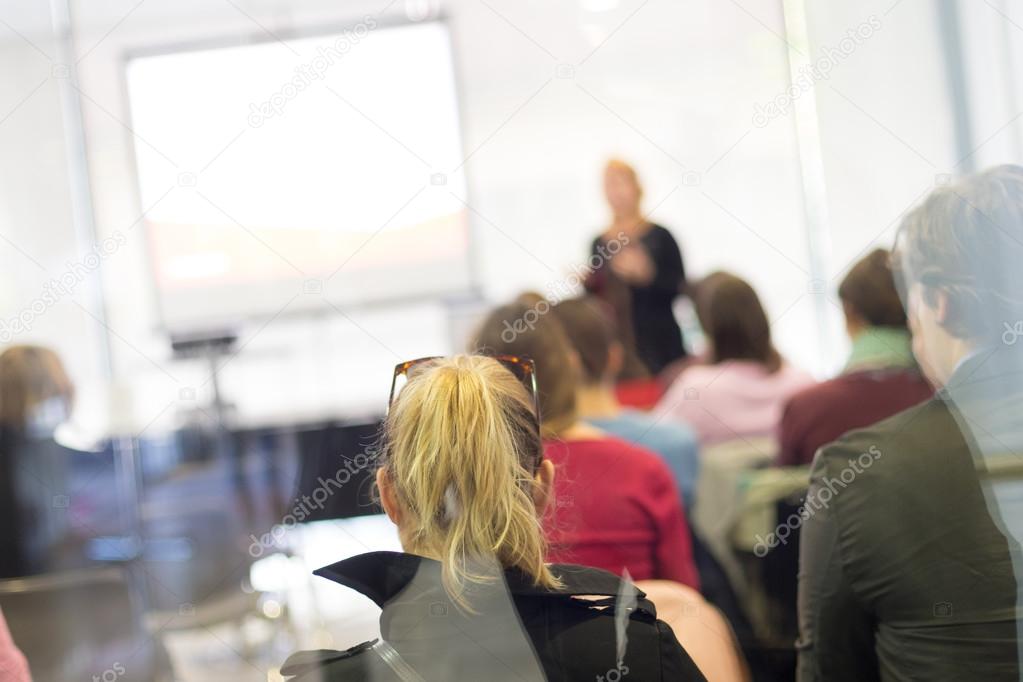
(463, 477)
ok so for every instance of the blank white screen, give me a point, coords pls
(307, 168)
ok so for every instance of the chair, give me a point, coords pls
(719, 497)
(81, 624)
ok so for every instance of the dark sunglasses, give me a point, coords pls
(523, 368)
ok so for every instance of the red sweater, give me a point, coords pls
(616, 507)
(822, 413)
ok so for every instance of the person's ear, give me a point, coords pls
(543, 490)
(615, 360)
(388, 496)
(942, 307)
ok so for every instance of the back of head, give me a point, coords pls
(461, 446)
(531, 331)
(734, 321)
(30, 377)
(966, 239)
(868, 290)
(590, 329)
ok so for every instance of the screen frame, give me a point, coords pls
(472, 290)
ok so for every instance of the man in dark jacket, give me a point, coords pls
(590, 629)
(910, 560)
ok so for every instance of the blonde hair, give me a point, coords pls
(460, 449)
(29, 376)
(615, 165)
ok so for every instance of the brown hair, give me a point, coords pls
(30, 375)
(869, 290)
(966, 239)
(588, 325)
(530, 331)
(734, 321)
(460, 444)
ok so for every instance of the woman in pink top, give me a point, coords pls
(616, 506)
(739, 391)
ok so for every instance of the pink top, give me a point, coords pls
(731, 400)
(13, 667)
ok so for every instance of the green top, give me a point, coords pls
(881, 347)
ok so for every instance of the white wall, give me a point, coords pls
(671, 86)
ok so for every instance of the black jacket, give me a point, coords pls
(551, 635)
(650, 320)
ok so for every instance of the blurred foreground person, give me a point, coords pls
(910, 556)
(880, 377)
(463, 476)
(35, 398)
(13, 666)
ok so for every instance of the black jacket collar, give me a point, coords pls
(381, 576)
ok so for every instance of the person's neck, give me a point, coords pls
(580, 430)
(597, 401)
(630, 224)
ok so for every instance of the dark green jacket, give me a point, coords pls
(910, 553)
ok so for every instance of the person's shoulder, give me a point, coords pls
(628, 459)
(614, 446)
(793, 376)
(699, 373)
(659, 432)
(817, 398)
(884, 457)
(660, 231)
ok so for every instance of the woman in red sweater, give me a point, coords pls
(616, 505)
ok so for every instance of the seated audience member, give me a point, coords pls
(35, 398)
(617, 506)
(13, 666)
(592, 333)
(739, 390)
(880, 378)
(464, 478)
(910, 560)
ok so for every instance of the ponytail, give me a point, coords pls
(460, 447)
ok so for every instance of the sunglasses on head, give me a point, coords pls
(523, 368)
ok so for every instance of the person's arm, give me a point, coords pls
(676, 663)
(836, 633)
(673, 552)
(13, 666)
(596, 279)
(669, 273)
